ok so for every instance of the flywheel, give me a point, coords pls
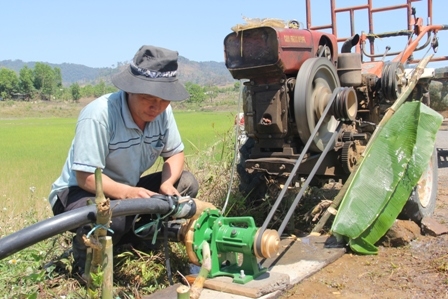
(315, 83)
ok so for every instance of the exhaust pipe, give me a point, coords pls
(349, 43)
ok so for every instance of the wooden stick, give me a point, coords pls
(198, 284)
(108, 268)
(100, 244)
(183, 292)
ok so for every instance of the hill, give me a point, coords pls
(201, 73)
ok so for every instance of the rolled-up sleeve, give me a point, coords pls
(173, 141)
(90, 146)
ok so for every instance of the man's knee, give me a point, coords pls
(188, 185)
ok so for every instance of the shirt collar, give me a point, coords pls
(126, 113)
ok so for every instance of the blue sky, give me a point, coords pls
(100, 33)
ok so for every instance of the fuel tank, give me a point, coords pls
(269, 51)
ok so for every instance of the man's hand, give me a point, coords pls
(112, 189)
(171, 172)
(138, 192)
(168, 189)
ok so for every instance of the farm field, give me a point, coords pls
(35, 138)
(34, 149)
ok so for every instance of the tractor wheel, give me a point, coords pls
(422, 201)
(252, 185)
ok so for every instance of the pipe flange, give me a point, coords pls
(187, 235)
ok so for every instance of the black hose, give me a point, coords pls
(73, 219)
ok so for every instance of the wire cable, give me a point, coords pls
(235, 153)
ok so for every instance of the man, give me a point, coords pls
(124, 133)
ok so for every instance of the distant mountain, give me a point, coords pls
(201, 73)
(204, 73)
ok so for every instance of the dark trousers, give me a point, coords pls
(74, 197)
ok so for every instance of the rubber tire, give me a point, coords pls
(413, 209)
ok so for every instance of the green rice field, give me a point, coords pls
(33, 151)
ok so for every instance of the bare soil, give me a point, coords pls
(417, 270)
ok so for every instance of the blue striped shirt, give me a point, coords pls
(107, 137)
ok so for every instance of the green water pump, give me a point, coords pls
(232, 244)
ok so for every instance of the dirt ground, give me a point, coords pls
(418, 270)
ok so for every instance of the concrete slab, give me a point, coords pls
(298, 259)
(264, 284)
(442, 139)
(302, 257)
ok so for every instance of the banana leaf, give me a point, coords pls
(391, 167)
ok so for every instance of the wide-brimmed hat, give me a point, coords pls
(152, 71)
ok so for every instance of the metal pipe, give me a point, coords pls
(428, 40)
(441, 58)
(414, 43)
(387, 8)
(349, 43)
(333, 18)
(430, 12)
(358, 7)
(308, 14)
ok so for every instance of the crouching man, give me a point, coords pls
(124, 133)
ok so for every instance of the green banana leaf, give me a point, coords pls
(391, 168)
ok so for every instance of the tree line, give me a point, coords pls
(45, 83)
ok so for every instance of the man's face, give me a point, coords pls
(145, 108)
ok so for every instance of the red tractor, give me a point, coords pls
(292, 74)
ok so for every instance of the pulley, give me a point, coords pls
(316, 81)
(393, 80)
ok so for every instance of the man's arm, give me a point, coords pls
(171, 172)
(112, 189)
